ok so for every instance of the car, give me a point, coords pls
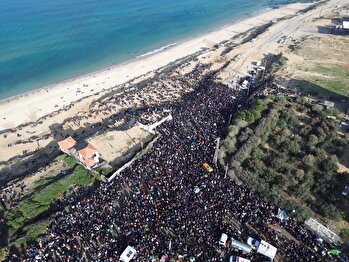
(223, 240)
(253, 243)
(207, 167)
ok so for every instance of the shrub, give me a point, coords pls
(345, 232)
(330, 211)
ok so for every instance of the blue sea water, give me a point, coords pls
(44, 42)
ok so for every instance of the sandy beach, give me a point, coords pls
(31, 106)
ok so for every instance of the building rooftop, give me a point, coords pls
(89, 162)
(67, 143)
(88, 151)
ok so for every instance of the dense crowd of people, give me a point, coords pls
(167, 205)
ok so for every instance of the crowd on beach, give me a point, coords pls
(168, 206)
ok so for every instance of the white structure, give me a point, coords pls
(155, 125)
(240, 246)
(346, 25)
(282, 215)
(267, 250)
(89, 156)
(128, 254)
(262, 247)
(326, 234)
(117, 172)
(151, 128)
(238, 259)
(223, 240)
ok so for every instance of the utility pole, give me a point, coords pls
(215, 157)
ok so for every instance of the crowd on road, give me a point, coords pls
(167, 205)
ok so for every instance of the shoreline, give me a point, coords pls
(140, 57)
(39, 102)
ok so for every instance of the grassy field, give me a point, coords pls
(333, 78)
(46, 190)
(32, 232)
(319, 66)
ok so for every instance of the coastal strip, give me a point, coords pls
(31, 106)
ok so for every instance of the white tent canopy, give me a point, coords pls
(128, 254)
(267, 250)
(282, 215)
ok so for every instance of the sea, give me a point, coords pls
(45, 42)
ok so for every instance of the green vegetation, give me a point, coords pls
(291, 159)
(345, 232)
(70, 161)
(254, 113)
(278, 63)
(40, 200)
(104, 171)
(3, 254)
(321, 72)
(336, 86)
(32, 232)
(330, 77)
(44, 181)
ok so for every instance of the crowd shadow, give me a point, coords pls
(334, 28)
(341, 102)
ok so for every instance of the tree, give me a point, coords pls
(309, 163)
(294, 147)
(257, 153)
(278, 164)
(329, 165)
(303, 213)
(303, 189)
(332, 112)
(313, 140)
(228, 146)
(320, 154)
(321, 135)
(317, 108)
(299, 174)
(245, 135)
(281, 182)
(304, 131)
(330, 211)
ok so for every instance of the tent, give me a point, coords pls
(282, 215)
(267, 250)
(128, 254)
